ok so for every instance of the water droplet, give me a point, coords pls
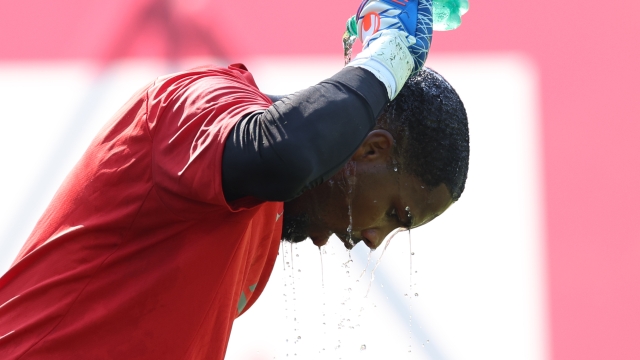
(363, 347)
(299, 337)
(299, 270)
(395, 168)
(416, 294)
(413, 253)
(407, 208)
(427, 341)
(297, 255)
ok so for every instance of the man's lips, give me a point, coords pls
(321, 240)
(349, 245)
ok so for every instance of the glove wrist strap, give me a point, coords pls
(386, 55)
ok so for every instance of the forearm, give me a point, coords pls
(303, 139)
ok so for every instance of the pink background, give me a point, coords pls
(587, 55)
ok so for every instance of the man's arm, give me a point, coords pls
(302, 139)
(305, 138)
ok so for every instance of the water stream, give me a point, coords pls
(386, 245)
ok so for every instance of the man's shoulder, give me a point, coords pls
(234, 73)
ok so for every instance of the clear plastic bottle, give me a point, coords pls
(446, 16)
(447, 13)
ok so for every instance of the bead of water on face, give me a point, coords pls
(299, 337)
(412, 253)
(363, 347)
(395, 168)
(406, 209)
(297, 255)
(299, 270)
(416, 294)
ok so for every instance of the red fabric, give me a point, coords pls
(139, 256)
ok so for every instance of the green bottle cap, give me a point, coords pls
(352, 26)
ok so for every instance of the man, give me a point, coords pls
(168, 227)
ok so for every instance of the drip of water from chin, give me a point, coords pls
(348, 185)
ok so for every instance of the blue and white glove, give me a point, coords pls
(396, 37)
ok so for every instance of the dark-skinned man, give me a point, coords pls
(168, 227)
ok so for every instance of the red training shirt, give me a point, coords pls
(139, 256)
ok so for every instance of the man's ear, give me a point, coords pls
(378, 145)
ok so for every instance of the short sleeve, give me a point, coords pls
(190, 116)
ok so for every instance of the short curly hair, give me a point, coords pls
(429, 123)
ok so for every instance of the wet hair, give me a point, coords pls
(429, 123)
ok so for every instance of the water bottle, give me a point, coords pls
(446, 16)
(447, 13)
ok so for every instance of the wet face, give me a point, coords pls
(366, 200)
